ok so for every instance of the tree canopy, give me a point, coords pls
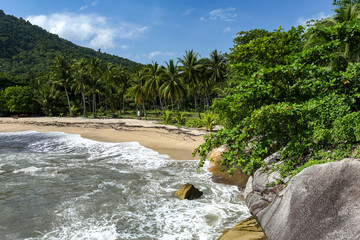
(295, 92)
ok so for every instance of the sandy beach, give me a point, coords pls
(177, 143)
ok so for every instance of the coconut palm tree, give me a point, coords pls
(138, 90)
(80, 76)
(112, 80)
(95, 72)
(191, 69)
(347, 51)
(347, 13)
(216, 67)
(45, 94)
(172, 85)
(62, 76)
(154, 76)
(214, 75)
(124, 85)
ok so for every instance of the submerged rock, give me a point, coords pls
(248, 229)
(188, 191)
(321, 202)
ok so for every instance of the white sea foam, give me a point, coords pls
(123, 190)
(29, 170)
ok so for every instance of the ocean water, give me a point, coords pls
(61, 186)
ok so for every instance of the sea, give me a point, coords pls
(61, 186)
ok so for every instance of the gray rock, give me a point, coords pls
(273, 158)
(260, 190)
(321, 202)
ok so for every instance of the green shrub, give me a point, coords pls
(196, 123)
(180, 118)
(167, 116)
(209, 121)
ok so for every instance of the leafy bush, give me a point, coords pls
(18, 99)
(180, 117)
(209, 121)
(167, 116)
(196, 123)
(288, 99)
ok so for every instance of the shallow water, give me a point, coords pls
(61, 186)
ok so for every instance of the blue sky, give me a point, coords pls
(159, 30)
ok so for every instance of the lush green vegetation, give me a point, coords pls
(295, 92)
(28, 50)
(64, 79)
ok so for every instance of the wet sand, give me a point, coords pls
(178, 143)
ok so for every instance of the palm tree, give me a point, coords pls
(123, 85)
(138, 90)
(80, 76)
(191, 69)
(346, 52)
(215, 70)
(112, 79)
(153, 74)
(216, 67)
(95, 72)
(348, 13)
(172, 85)
(45, 94)
(62, 76)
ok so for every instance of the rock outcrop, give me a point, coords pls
(239, 179)
(321, 202)
(248, 229)
(188, 191)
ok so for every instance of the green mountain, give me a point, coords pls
(28, 49)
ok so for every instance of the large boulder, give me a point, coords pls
(188, 191)
(238, 179)
(261, 189)
(321, 202)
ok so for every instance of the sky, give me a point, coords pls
(146, 31)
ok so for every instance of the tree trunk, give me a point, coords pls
(123, 103)
(90, 104)
(68, 100)
(161, 104)
(94, 105)
(112, 107)
(144, 111)
(84, 103)
(172, 103)
(155, 106)
(196, 104)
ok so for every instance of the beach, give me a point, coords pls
(176, 142)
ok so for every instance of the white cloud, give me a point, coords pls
(124, 46)
(188, 11)
(319, 16)
(93, 4)
(226, 14)
(159, 53)
(92, 30)
(228, 29)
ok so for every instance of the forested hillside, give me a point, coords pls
(26, 49)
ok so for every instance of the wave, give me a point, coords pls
(97, 190)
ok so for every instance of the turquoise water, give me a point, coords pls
(61, 186)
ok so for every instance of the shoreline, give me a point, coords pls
(176, 142)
